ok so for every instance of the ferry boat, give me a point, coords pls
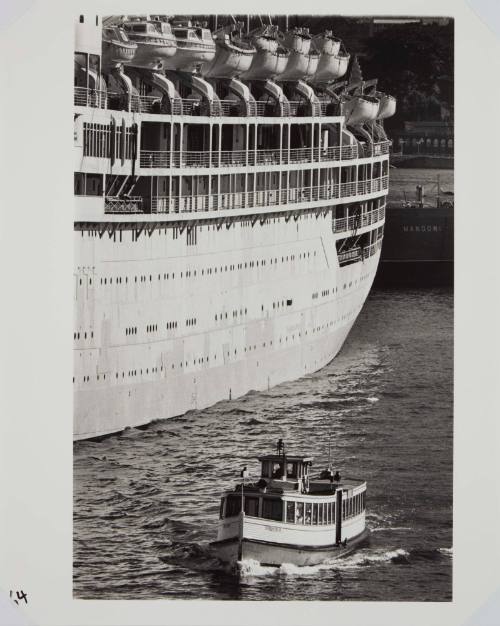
(288, 516)
(227, 231)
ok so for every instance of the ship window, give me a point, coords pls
(308, 513)
(221, 510)
(291, 470)
(290, 512)
(277, 468)
(81, 19)
(252, 506)
(233, 505)
(315, 513)
(299, 513)
(272, 508)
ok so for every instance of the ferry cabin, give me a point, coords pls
(287, 513)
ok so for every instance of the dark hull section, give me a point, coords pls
(418, 247)
(274, 554)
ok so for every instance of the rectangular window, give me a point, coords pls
(343, 509)
(291, 468)
(315, 508)
(299, 513)
(272, 508)
(221, 511)
(290, 512)
(233, 505)
(332, 513)
(251, 506)
(308, 514)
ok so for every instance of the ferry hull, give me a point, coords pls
(266, 553)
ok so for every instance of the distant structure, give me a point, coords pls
(426, 137)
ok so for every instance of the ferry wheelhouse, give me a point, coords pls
(288, 516)
(227, 230)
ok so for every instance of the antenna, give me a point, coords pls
(330, 450)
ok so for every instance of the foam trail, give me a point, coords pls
(372, 399)
(251, 568)
(379, 529)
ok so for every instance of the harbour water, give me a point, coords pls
(146, 501)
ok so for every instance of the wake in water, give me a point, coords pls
(250, 568)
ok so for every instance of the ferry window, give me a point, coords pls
(343, 509)
(308, 513)
(277, 470)
(221, 510)
(251, 506)
(299, 513)
(315, 508)
(272, 508)
(81, 19)
(233, 505)
(290, 512)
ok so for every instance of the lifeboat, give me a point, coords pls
(387, 106)
(303, 62)
(195, 46)
(270, 59)
(155, 41)
(359, 109)
(116, 47)
(233, 55)
(333, 60)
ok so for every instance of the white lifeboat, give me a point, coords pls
(233, 55)
(333, 61)
(155, 41)
(116, 47)
(195, 46)
(297, 39)
(359, 109)
(303, 62)
(270, 59)
(387, 106)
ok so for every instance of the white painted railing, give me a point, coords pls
(115, 204)
(85, 97)
(264, 198)
(182, 106)
(358, 221)
(232, 158)
(358, 253)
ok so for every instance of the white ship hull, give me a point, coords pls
(230, 336)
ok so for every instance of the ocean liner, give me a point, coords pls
(229, 211)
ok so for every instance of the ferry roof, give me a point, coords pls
(290, 458)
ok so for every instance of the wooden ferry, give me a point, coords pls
(288, 516)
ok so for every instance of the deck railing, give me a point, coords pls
(265, 198)
(358, 253)
(234, 158)
(342, 224)
(115, 204)
(85, 97)
(182, 106)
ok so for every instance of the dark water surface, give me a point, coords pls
(146, 501)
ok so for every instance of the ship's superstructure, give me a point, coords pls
(228, 222)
